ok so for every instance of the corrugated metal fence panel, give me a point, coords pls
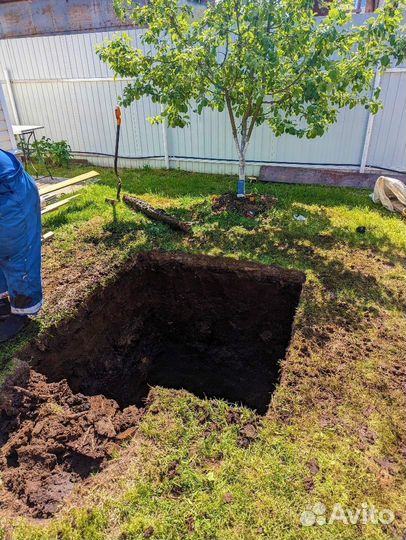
(70, 56)
(342, 144)
(54, 57)
(83, 114)
(48, 84)
(388, 141)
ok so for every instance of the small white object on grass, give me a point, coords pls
(299, 217)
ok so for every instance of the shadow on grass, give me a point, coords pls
(66, 215)
(317, 231)
(316, 246)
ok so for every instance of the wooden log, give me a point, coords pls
(158, 215)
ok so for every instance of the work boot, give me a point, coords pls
(11, 326)
(5, 308)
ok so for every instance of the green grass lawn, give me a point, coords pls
(335, 429)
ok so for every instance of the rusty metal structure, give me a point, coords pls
(360, 6)
(24, 18)
(27, 18)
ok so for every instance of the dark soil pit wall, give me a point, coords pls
(213, 326)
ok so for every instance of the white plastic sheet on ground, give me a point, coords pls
(391, 193)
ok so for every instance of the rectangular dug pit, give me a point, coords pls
(213, 326)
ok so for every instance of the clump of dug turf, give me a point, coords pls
(249, 206)
(56, 439)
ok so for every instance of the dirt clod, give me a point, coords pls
(314, 467)
(233, 416)
(249, 206)
(249, 431)
(57, 439)
(308, 484)
(190, 523)
(148, 532)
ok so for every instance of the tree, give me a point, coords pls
(262, 60)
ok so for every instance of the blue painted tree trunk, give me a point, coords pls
(241, 178)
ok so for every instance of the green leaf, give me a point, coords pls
(385, 60)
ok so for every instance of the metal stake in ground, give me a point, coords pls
(137, 204)
(113, 202)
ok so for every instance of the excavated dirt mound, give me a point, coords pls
(249, 206)
(55, 439)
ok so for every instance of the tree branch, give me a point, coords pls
(237, 18)
(226, 53)
(232, 120)
(257, 110)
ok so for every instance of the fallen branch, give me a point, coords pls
(158, 215)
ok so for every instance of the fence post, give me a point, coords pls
(165, 141)
(11, 97)
(370, 125)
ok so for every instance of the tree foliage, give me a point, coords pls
(268, 61)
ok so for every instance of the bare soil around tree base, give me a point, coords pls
(250, 206)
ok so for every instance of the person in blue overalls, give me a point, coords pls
(20, 247)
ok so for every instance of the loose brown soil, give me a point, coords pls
(249, 206)
(55, 439)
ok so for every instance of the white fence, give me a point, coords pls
(59, 82)
(6, 134)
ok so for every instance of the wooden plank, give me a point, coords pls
(47, 236)
(55, 206)
(66, 183)
(323, 177)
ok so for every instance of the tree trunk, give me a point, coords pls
(241, 177)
